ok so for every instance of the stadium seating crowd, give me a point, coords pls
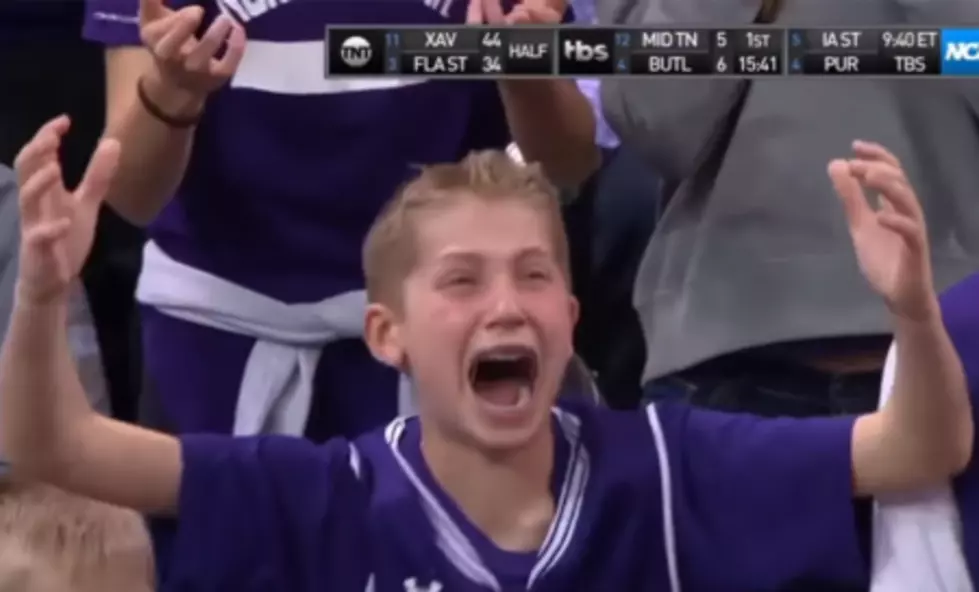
(249, 212)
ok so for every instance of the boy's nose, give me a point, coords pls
(506, 309)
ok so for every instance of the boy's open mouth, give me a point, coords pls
(504, 375)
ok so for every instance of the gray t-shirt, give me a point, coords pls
(753, 247)
(9, 240)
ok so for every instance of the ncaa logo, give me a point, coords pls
(960, 52)
(356, 52)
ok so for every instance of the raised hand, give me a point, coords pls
(528, 12)
(183, 61)
(57, 225)
(891, 242)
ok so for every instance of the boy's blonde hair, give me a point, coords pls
(390, 248)
(53, 541)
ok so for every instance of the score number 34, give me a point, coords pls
(492, 64)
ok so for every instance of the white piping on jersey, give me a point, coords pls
(299, 68)
(666, 486)
(459, 550)
(565, 521)
(354, 460)
(449, 538)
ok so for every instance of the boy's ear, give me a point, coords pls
(382, 332)
(574, 309)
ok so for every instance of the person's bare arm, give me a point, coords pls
(178, 72)
(156, 154)
(52, 434)
(924, 434)
(550, 121)
(48, 429)
(553, 124)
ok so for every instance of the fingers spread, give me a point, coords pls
(100, 172)
(37, 191)
(47, 233)
(849, 191)
(42, 148)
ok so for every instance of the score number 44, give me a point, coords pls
(492, 63)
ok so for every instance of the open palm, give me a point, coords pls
(57, 225)
(891, 243)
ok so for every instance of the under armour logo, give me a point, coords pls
(412, 585)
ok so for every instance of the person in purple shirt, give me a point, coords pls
(491, 487)
(960, 308)
(259, 176)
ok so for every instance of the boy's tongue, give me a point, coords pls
(503, 393)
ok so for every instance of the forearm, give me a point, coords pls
(553, 124)
(42, 402)
(154, 155)
(928, 421)
(50, 432)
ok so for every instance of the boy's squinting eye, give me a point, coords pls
(455, 280)
(536, 272)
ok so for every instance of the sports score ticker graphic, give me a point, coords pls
(751, 52)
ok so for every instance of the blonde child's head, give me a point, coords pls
(51, 541)
(468, 282)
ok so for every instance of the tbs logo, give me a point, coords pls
(582, 52)
(356, 52)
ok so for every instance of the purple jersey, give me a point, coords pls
(650, 500)
(960, 308)
(289, 168)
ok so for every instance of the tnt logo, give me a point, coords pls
(960, 52)
(356, 52)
